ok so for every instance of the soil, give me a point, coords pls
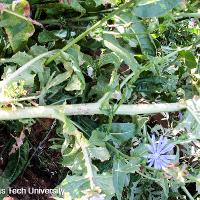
(43, 171)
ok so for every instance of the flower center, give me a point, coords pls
(156, 155)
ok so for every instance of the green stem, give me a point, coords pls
(112, 148)
(84, 19)
(11, 100)
(103, 11)
(183, 15)
(23, 68)
(57, 21)
(148, 177)
(22, 17)
(187, 192)
(92, 28)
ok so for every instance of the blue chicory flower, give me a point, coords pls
(159, 156)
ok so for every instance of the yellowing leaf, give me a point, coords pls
(18, 29)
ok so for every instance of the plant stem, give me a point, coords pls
(92, 28)
(183, 15)
(148, 177)
(23, 68)
(112, 148)
(187, 192)
(86, 109)
(5, 100)
(22, 17)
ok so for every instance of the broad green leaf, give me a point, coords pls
(101, 86)
(4, 184)
(73, 157)
(120, 132)
(74, 84)
(188, 58)
(105, 182)
(74, 185)
(109, 58)
(75, 57)
(100, 153)
(136, 30)
(75, 4)
(27, 77)
(19, 58)
(139, 152)
(46, 36)
(97, 138)
(128, 57)
(18, 30)
(58, 79)
(130, 167)
(117, 132)
(17, 162)
(118, 177)
(36, 50)
(75, 162)
(154, 8)
(139, 29)
(144, 39)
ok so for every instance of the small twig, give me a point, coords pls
(40, 144)
(188, 15)
(7, 100)
(23, 68)
(112, 148)
(148, 177)
(187, 192)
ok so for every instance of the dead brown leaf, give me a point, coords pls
(18, 143)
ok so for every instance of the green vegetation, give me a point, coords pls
(117, 85)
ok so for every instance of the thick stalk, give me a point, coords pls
(91, 29)
(86, 109)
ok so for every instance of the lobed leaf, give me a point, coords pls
(154, 8)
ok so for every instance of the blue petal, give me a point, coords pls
(153, 142)
(168, 157)
(168, 148)
(151, 156)
(164, 161)
(151, 162)
(159, 143)
(156, 165)
(160, 164)
(164, 143)
(164, 165)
